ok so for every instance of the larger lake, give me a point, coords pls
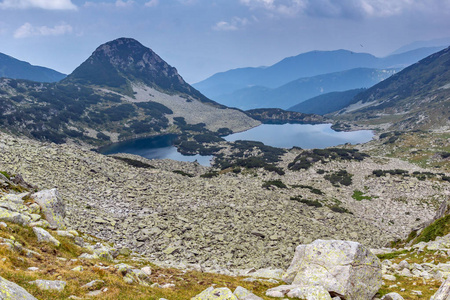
(284, 136)
(301, 135)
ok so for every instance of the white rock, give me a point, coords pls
(10, 290)
(392, 296)
(44, 236)
(343, 267)
(443, 293)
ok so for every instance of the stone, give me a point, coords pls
(389, 277)
(3, 225)
(13, 217)
(94, 293)
(64, 233)
(94, 285)
(10, 291)
(57, 285)
(267, 273)
(77, 269)
(343, 267)
(52, 206)
(392, 296)
(147, 270)
(212, 293)
(33, 269)
(310, 293)
(44, 236)
(443, 293)
(244, 294)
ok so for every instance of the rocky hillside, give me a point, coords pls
(17, 69)
(252, 217)
(416, 98)
(124, 90)
(44, 257)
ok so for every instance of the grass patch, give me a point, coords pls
(391, 255)
(210, 174)
(5, 174)
(359, 196)
(440, 227)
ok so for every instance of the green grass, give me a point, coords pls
(440, 227)
(359, 196)
(5, 174)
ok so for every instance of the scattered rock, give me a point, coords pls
(244, 294)
(57, 285)
(10, 290)
(212, 293)
(44, 236)
(392, 296)
(444, 291)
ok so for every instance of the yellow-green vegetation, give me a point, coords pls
(440, 227)
(56, 263)
(359, 196)
(428, 287)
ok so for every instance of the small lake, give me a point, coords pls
(284, 136)
(305, 136)
(157, 147)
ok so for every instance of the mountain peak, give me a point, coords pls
(119, 63)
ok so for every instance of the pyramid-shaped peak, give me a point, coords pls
(119, 63)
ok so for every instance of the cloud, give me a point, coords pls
(232, 25)
(43, 4)
(120, 3)
(28, 30)
(341, 8)
(152, 3)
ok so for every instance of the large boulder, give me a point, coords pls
(444, 291)
(343, 268)
(44, 236)
(10, 291)
(52, 206)
(212, 293)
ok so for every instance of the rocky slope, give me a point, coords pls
(415, 98)
(229, 220)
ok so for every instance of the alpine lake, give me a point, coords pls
(283, 136)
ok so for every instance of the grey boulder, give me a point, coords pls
(11, 291)
(444, 291)
(343, 268)
(52, 206)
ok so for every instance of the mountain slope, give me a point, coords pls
(303, 65)
(302, 89)
(124, 90)
(17, 69)
(417, 97)
(326, 103)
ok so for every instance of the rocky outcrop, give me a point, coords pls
(444, 291)
(44, 236)
(11, 291)
(343, 268)
(52, 206)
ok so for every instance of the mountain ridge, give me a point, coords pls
(14, 68)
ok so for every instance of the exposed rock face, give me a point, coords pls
(216, 294)
(44, 236)
(11, 291)
(341, 267)
(444, 291)
(52, 206)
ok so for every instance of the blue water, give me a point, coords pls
(283, 136)
(158, 147)
(301, 135)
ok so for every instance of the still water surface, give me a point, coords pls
(284, 136)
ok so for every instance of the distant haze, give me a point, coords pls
(203, 37)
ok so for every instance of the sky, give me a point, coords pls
(203, 37)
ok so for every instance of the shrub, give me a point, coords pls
(340, 210)
(275, 183)
(182, 173)
(210, 174)
(341, 177)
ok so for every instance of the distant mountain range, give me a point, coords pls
(122, 91)
(326, 103)
(416, 97)
(17, 69)
(302, 89)
(301, 66)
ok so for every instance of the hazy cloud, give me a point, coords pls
(28, 30)
(232, 25)
(152, 3)
(43, 4)
(344, 8)
(121, 3)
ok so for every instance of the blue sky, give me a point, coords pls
(202, 37)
